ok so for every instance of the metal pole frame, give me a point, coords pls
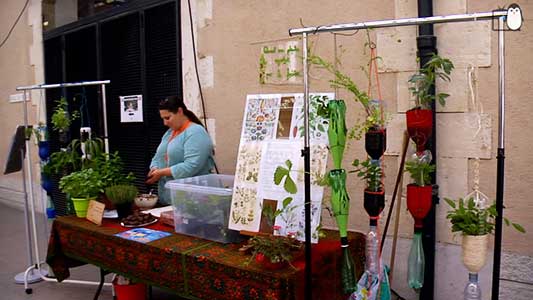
(501, 15)
(37, 264)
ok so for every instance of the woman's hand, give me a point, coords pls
(155, 174)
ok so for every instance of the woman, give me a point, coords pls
(185, 149)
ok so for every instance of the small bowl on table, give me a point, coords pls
(146, 201)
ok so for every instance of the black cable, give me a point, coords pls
(198, 75)
(15, 24)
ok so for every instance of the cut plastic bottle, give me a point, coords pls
(416, 262)
(472, 289)
(349, 283)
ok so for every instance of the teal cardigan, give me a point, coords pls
(189, 154)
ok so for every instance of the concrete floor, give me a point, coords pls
(14, 259)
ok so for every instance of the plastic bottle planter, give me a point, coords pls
(474, 252)
(374, 203)
(376, 142)
(46, 183)
(349, 283)
(44, 150)
(416, 262)
(474, 258)
(337, 130)
(340, 202)
(419, 202)
(419, 126)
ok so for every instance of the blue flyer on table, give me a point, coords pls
(143, 235)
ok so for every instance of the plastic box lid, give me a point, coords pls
(214, 184)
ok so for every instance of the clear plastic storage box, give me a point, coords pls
(201, 206)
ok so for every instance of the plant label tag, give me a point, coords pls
(95, 212)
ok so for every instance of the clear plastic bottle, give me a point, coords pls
(416, 262)
(372, 249)
(472, 289)
(349, 283)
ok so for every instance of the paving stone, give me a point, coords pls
(464, 135)
(397, 47)
(472, 46)
(449, 7)
(395, 129)
(405, 9)
(458, 89)
(517, 267)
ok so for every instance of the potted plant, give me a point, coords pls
(61, 119)
(82, 186)
(419, 193)
(374, 122)
(122, 196)
(273, 252)
(374, 197)
(475, 224)
(420, 118)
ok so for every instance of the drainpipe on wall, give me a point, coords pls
(426, 46)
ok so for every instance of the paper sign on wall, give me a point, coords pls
(131, 108)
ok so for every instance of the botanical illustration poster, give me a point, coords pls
(268, 141)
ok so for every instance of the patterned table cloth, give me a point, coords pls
(195, 268)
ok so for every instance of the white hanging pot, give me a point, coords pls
(475, 251)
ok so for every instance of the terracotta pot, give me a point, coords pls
(376, 142)
(475, 252)
(419, 126)
(374, 202)
(419, 202)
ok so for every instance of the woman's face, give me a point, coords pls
(172, 120)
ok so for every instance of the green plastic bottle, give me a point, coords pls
(416, 262)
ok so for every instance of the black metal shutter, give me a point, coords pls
(138, 51)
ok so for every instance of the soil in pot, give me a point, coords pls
(419, 126)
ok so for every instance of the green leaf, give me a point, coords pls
(519, 228)
(289, 164)
(507, 222)
(289, 185)
(450, 202)
(286, 202)
(279, 174)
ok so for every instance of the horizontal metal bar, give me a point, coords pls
(400, 22)
(59, 85)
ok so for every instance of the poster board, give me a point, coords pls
(272, 133)
(17, 151)
(131, 108)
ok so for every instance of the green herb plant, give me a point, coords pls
(370, 172)
(121, 193)
(341, 80)
(466, 217)
(61, 119)
(81, 184)
(423, 82)
(420, 172)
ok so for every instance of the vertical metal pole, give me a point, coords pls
(307, 175)
(104, 108)
(427, 46)
(30, 183)
(500, 163)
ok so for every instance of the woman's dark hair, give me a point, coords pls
(173, 103)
